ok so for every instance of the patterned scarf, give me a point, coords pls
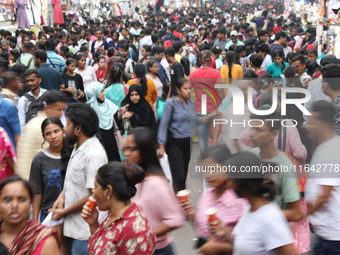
(28, 240)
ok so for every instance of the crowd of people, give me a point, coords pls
(92, 111)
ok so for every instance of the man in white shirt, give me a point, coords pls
(129, 64)
(323, 187)
(33, 81)
(87, 157)
(215, 20)
(299, 62)
(136, 17)
(146, 40)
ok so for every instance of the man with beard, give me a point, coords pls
(87, 157)
(30, 141)
(129, 64)
(51, 77)
(193, 30)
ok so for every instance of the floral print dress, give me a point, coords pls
(130, 234)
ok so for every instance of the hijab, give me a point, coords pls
(143, 114)
(105, 109)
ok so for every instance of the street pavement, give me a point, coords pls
(183, 237)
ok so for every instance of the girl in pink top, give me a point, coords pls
(154, 195)
(219, 196)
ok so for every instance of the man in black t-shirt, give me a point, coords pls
(176, 71)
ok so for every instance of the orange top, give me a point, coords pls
(151, 94)
(236, 73)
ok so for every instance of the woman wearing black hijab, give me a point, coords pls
(139, 112)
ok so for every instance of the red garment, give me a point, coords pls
(6, 151)
(101, 74)
(277, 29)
(58, 12)
(179, 35)
(29, 238)
(316, 75)
(130, 234)
(205, 78)
(213, 63)
(259, 73)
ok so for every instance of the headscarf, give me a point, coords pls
(143, 116)
(105, 110)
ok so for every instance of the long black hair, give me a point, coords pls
(230, 60)
(139, 70)
(146, 145)
(253, 183)
(122, 177)
(279, 53)
(66, 151)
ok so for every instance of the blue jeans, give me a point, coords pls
(78, 247)
(325, 247)
(165, 251)
(42, 217)
(203, 134)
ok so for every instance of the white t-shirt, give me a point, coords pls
(129, 66)
(88, 75)
(326, 160)
(262, 231)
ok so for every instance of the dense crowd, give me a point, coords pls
(108, 111)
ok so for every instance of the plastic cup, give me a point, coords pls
(211, 213)
(92, 203)
(183, 195)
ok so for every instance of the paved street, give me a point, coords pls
(183, 237)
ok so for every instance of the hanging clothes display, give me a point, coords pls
(58, 13)
(21, 14)
(50, 13)
(33, 13)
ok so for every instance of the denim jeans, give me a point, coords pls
(42, 217)
(203, 134)
(165, 251)
(78, 247)
(325, 247)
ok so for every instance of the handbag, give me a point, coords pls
(160, 107)
(118, 136)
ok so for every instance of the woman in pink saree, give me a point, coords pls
(7, 156)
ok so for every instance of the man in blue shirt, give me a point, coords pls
(260, 21)
(51, 78)
(53, 59)
(9, 120)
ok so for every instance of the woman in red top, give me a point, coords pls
(125, 230)
(101, 69)
(20, 235)
(278, 26)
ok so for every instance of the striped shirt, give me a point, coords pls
(29, 144)
(57, 60)
(229, 210)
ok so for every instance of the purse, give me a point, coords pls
(118, 136)
(160, 107)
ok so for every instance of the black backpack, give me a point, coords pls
(36, 105)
